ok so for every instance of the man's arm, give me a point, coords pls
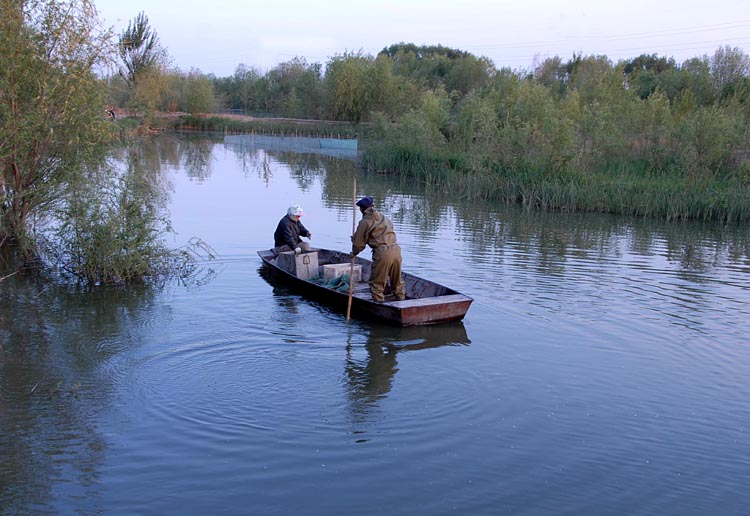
(303, 231)
(359, 240)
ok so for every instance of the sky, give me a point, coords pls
(214, 36)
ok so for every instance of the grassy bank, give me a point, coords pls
(624, 189)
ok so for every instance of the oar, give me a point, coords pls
(351, 268)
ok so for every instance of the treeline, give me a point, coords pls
(354, 85)
(435, 109)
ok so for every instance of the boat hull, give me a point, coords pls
(427, 302)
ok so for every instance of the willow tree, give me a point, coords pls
(199, 93)
(349, 86)
(51, 106)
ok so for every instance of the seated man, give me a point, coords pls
(288, 232)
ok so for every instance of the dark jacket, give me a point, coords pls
(288, 232)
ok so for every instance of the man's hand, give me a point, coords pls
(297, 250)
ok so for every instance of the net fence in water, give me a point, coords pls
(332, 147)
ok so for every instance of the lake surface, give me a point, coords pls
(604, 367)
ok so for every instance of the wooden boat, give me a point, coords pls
(426, 302)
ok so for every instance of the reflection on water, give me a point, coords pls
(58, 348)
(300, 145)
(190, 154)
(603, 352)
(369, 378)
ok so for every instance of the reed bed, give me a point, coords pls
(623, 188)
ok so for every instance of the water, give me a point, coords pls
(602, 368)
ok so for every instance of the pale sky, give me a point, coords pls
(217, 35)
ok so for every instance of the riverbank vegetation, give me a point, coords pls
(644, 137)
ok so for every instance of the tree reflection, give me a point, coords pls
(305, 163)
(197, 158)
(164, 153)
(55, 343)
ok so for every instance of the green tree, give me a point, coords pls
(348, 86)
(52, 106)
(707, 137)
(644, 73)
(199, 94)
(468, 74)
(699, 81)
(173, 98)
(476, 128)
(729, 67)
(143, 64)
(113, 222)
(243, 94)
(432, 66)
(292, 105)
(552, 73)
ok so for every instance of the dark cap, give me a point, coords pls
(365, 202)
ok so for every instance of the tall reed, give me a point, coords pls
(623, 188)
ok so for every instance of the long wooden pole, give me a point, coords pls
(351, 268)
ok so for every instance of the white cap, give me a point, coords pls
(295, 210)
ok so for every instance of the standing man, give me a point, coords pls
(288, 232)
(376, 231)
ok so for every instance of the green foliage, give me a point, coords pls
(293, 105)
(296, 89)
(111, 227)
(531, 133)
(52, 106)
(242, 88)
(648, 63)
(728, 66)
(58, 199)
(552, 73)
(643, 137)
(438, 66)
(138, 49)
(143, 66)
(707, 139)
(199, 94)
(349, 86)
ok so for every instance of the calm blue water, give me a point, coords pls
(602, 369)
